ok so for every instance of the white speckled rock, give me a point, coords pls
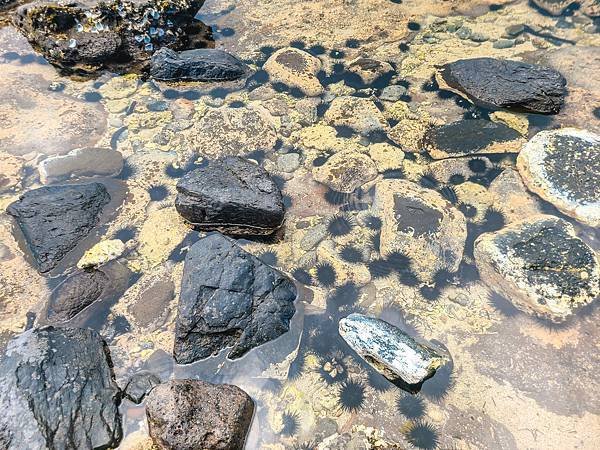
(393, 353)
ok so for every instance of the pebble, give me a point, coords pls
(288, 162)
(504, 43)
(393, 93)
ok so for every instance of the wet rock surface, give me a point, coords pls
(563, 167)
(58, 391)
(346, 171)
(193, 414)
(139, 385)
(295, 68)
(421, 224)
(229, 298)
(196, 65)
(359, 114)
(393, 353)
(231, 195)
(541, 266)
(54, 219)
(83, 38)
(468, 137)
(84, 162)
(513, 85)
(76, 293)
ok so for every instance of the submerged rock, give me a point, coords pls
(563, 167)
(85, 37)
(295, 68)
(193, 414)
(540, 265)
(229, 298)
(468, 137)
(393, 353)
(358, 113)
(57, 390)
(231, 195)
(205, 64)
(346, 171)
(101, 253)
(139, 385)
(75, 294)
(54, 219)
(421, 224)
(557, 7)
(513, 85)
(82, 162)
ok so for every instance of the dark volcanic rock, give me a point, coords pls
(196, 65)
(467, 137)
(231, 195)
(140, 385)
(193, 414)
(86, 36)
(57, 390)
(55, 218)
(514, 85)
(229, 298)
(540, 265)
(74, 294)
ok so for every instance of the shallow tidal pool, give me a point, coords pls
(389, 181)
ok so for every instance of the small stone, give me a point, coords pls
(516, 121)
(478, 37)
(229, 298)
(295, 68)
(469, 137)
(393, 93)
(369, 69)
(58, 391)
(386, 156)
(140, 385)
(464, 33)
(504, 43)
(231, 195)
(54, 219)
(358, 113)
(289, 162)
(193, 414)
(393, 353)
(74, 294)
(563, 167)
(514, 30)
(204, 64)
(101, 253)
(513, 85)
(541, 266)
(346, 171)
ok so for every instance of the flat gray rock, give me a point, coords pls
(229, 298)
(563, 167)
(86, 162)
(393, 353)
(139, 385)
(512, 85)
(206, 64)
(57, 391)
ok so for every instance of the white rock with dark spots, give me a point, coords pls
(563, 167)
(296, 68)
(393, 353)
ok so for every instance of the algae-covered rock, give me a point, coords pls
(563, 167)
(513, 85)
(393, 353)
(84, 37)
(295, 68)
(468, 137)
(346, 171)
(540, 265)
(359, 114)
(101, 253)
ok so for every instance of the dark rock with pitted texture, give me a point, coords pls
(205, 64)
(540, 265)
(57, 391)
(229, 298)
(194, 415)
(513, 85)
(54, 219)
(83, 37)
(139, 385)
(231, 195)
(75, 294)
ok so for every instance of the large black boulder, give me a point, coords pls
(206, 64)
(229, 298)
(55, 218)
(57, 390)
(231, 195)
(513, 85)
